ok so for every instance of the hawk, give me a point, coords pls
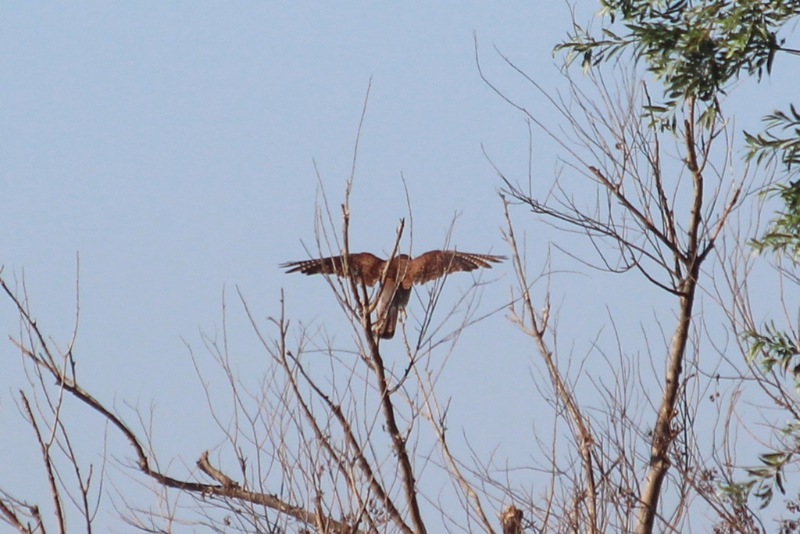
(401, 272)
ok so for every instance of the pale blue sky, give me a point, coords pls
(172, 146)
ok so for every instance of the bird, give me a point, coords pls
(396, 276)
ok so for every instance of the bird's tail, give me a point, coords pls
(387, 328)
(385, 314)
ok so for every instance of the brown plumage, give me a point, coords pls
(401, 273)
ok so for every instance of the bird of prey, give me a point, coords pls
(396, 276)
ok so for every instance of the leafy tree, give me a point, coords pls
(696, 51)
(695, 48)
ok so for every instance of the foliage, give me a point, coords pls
(774, 347)
(783, 235)
(767, 146)
(694, 48)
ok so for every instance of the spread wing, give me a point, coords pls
(364, 266)
(436, 263)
